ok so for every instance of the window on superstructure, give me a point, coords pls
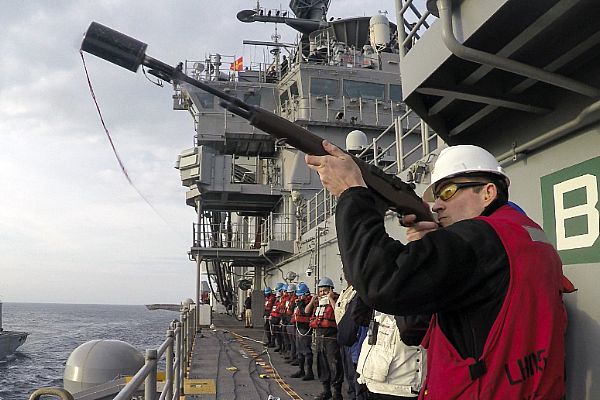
(324, 87)
(283, 98)
(365, 90)
(294, 89)
(396, 93)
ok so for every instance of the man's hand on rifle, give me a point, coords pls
(416, 230)
(337, 171)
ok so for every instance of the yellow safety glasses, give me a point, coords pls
(447, 191)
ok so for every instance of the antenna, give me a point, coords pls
(276, 51)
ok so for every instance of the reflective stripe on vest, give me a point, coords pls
(290, 305)
(269, 303)
(323, 316)
(275, 310)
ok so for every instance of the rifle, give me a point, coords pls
(130, 53)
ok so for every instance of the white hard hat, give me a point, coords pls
(291, 288)
(460, 160)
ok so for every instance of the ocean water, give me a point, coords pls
(55, 330)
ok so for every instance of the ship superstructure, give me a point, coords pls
(522, 79)
(262, 214)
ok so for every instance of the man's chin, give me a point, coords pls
(444, 222)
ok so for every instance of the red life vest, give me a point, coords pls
(524, 355)
(269, 300)
(275, 309)
(290, 304)
(323, 315)
(299, 315)
(282, 303)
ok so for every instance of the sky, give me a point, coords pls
(72, 230)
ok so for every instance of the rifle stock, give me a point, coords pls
(129, 53)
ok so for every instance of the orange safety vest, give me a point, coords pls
(269, 300)
(282, 303)
(299, 316)
(275, 309)
(323, 315)
(290, 304)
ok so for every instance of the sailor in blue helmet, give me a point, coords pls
(275, 317)
(329, 363)
(289, 303)
(303, 334)
(268, 307)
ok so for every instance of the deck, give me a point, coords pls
(231, 362)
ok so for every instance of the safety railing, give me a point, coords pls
(280, 227)
(400, 145)
(177, 350)
(317, 209)
(51, 391)
(233, 235)
(415, 22)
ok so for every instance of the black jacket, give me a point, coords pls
(348, 326)
(460, 272)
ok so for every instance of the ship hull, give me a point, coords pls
(10, 342)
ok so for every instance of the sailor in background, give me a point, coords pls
(275, 317)
(282, 305)
(289, 329)
(350, 336)
(392, 364)
(268, 307)
(329, 363)
(487, 272)
(303, 334)
(248, 311)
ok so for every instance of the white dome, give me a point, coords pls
(356, 141)
(379, 30)
(100, 361)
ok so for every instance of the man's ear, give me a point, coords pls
(490, 192)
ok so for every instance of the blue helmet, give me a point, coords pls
(325, 281)
(279, 286)
(302, 289)
(284, 288)
(268, 290)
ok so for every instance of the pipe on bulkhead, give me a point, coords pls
(503, 63)
(590, 115)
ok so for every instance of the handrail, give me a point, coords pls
(176, 346)
(407, 40)
(322, 205)
(51, 391)
(137, 379)
(177, 334)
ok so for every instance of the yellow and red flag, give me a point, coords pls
(237, 65)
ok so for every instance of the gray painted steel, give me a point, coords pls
(10, 341)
